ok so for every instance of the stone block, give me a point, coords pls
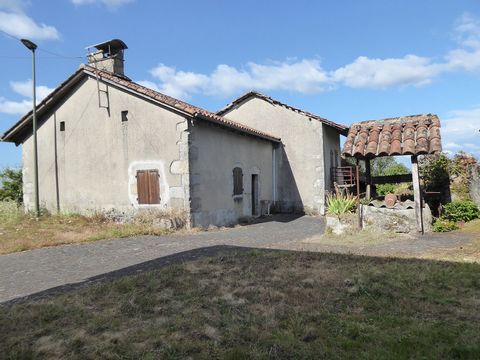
(179, 167)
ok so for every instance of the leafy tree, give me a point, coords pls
(435, 170)
(387, 165)
(11, 185)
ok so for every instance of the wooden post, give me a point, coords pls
(417, 196)
(368, 179)
(357, 175)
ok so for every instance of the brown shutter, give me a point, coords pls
(154, 187)
(148, 187)
(237, 181)
(142, 186)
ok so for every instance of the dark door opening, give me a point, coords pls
(254, 195)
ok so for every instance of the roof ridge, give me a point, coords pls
(190, 109)
(397, 118)
(130, 85)
(342, 128)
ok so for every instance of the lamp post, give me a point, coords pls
(31, 46)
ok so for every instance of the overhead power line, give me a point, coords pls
(41, 49)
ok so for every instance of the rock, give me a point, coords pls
(337, 226)
(395, 220)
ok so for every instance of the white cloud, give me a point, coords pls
(23, 88)
(467, 31)
(467, 34)
(15, 107)
(12, 5)
(461, 130)
(112, 4)
(14, 21)
(307, 76)
(382, 73)
(304, 76)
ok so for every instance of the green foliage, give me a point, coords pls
(384, 189)
(444, 225)
(9, 211)
(464, 210)
(339, 203)
(11, 185)
(387, 166)
(435, 171)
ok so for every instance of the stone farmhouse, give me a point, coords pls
(107, 143)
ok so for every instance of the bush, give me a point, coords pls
(11, 185)
(464, 210)
(444, 225)
(435, 171)
(9, 211)
(339, 204)
(384, 189)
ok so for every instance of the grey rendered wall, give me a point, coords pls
(214, 153)
(97, 155)
(331, 149)
(300, 163)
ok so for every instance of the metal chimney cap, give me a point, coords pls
(113, 45)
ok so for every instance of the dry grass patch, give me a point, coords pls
(469, 252)
(260, 305)
(356, 237)
(20, 231)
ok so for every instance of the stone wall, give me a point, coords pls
(394, 220)
(475, 184)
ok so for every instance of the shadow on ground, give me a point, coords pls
(184, 257)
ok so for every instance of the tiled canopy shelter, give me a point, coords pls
(406, 135)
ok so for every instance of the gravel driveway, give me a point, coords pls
(36, 273)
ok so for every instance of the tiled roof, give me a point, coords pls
(192, 110)
(341, 128)
(405, 135)
(125, 83)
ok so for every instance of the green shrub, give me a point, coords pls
(11, 185)
(339, 204)
(384, 189)
(435, 171)
(444, 225)
(9, 210)
(464, 210)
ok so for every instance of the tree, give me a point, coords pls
(11, 185)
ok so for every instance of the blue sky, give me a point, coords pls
(344, 60)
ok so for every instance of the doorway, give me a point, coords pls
(254, 195)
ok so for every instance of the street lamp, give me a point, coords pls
(31, 46)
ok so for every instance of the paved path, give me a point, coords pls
(40, 272)
(35, 271)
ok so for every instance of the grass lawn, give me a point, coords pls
(20, 231)
(260, 305)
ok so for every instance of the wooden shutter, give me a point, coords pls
(153, 187)
(148, 187)
(237, 181)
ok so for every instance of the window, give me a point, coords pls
(237, 181)
(62, 125)
(148, 187)
(124, 115)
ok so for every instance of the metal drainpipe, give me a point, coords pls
(274, 175)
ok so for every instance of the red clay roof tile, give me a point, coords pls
(406, 135)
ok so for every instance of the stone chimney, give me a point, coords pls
(109, 56)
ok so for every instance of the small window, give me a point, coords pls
(148, 187)
(124, 115)
(237, 181)
(62, 125)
